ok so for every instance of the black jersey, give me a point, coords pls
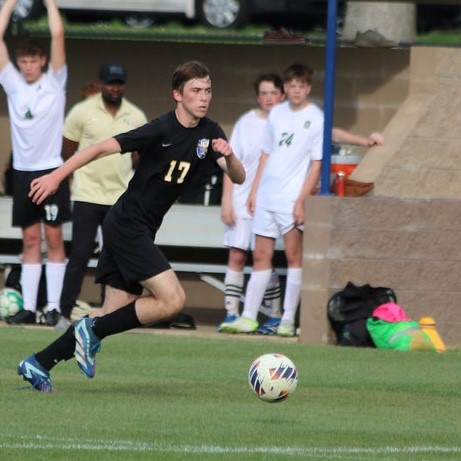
(170, 156)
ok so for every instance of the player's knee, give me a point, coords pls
(173, 303)
(31, 242)
(178, 300)
(294, 259)
(55, 244)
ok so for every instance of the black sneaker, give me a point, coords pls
(52, 318)
(22, 317)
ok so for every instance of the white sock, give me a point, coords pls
(233, 282)
(54, 280)
(30, 280)
(255, 293)
(292, 294)
(273, 296)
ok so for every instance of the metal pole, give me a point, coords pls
(329, 95)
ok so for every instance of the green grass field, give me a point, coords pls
(185, 397)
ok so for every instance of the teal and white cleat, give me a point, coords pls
(87, 345)
(35, 374)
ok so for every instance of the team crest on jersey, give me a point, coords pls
(307, 124)
(202, 147)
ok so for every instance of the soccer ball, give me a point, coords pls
(10, 302)
(273, 377)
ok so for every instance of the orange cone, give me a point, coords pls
(428, 326)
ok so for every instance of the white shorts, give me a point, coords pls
(240, 235)
(272, 223)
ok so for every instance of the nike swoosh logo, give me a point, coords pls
(166, 144)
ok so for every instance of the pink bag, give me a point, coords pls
(390, 312)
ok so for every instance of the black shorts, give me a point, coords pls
(54, 211)
(129, 256)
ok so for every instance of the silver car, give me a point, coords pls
(214, 13)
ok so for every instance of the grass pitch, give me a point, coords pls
(183, 397)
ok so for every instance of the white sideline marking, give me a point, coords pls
(45, 442)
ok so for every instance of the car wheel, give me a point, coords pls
(28, 9)
(140, 21)
(222, 14)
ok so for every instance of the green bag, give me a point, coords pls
(402, 336)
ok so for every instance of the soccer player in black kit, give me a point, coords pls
(172, 148)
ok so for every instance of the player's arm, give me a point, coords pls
(309, 186)
(229, 161)
(5, 16)
(58, 49)
(47, 185)
(251, 200)
(227, 210)
(376, 139)
(341, 136)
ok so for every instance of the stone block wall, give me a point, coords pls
(410, 245)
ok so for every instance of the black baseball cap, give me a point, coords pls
(112, 72)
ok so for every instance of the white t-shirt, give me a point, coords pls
(36, 112)
(292, 139)
(246, 144)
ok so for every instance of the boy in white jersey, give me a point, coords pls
(238, 235)
(36, 100)
(288, 172)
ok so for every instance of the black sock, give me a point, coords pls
(66, 310)
(61, 349)
(122, 319)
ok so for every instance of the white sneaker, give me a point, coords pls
(286, 329)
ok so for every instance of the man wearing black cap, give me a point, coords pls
(98, 185)
(112, 72)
